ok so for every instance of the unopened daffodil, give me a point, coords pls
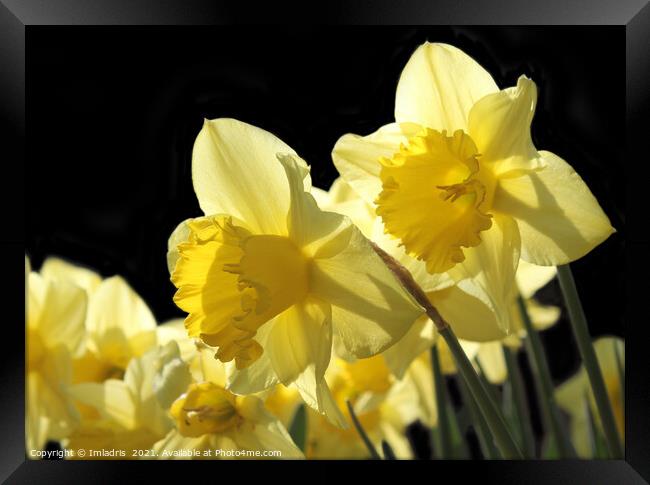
(457, 179)
(267, 278)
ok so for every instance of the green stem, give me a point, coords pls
(444, 431)
(588, 355)
(491, 412)
(516, 382)
(544, 384)
(488, 407)
(362, 433)
(389, 454)
(298, 427)
(480, 426)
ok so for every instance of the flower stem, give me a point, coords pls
(480, 426)
(486, 404)
(488, 407)
(518, 396)
(362, 433)
(298, 427)
(444, 431)
(588, 355)
(544, 384)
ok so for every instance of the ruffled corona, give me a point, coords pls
(434, 197)
(232, 282)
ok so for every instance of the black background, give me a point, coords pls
(113, 112)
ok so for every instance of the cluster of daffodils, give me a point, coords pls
(299, 339)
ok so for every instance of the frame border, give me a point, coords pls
(17, 15)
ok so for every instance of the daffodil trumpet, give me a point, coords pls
(491, 412)
(588, 355)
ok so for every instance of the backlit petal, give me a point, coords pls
(500, 123)
(357, 157)
(558, 217)
(438, 87)
(235, 172)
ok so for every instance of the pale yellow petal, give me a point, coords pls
(469, 317)
(357, 157)
(500, 123)
(542, 316)
(180, 235)
(488, 272)
(120, 322)
(490, 355)
(301, 337)
(112, 398)
(264, 432)
(438, 87)
(58, 269)
(531, 277)
(235, 172)
(259, 375)
(174, 330)
(418, 268)
(56, 311)
(559, 219)
(370, 309)
(420, 337)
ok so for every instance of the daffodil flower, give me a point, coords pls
(459, 182)
(118, 325)
(383, 405)
(55, 314)
(575, 395)
(207, 417)
(131, 412)
(267, 277)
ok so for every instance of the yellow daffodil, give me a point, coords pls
(267, 277)
(131, 411)
(118, 324)
(459, 182)
(55, 314)
(469, 319)
(575, 395)
(210, 422)
(383, 405)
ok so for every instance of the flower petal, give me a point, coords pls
(531, 277)
(235, 172)
(420, 337)
(180, 235)
(488, 272)
(57, 311)
(58, 269)
(438, 87)
(470, 318)
(500, 126)
(370, 309)
(357, 157)
(493, 363)
(259, 375)
(120, 322)
(301, 337)
(558, 217)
